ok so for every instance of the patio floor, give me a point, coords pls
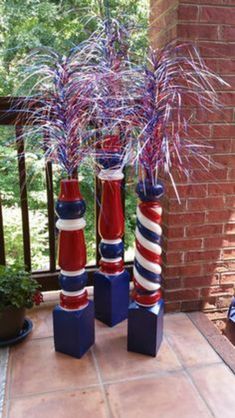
(186, 380)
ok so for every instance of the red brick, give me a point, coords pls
(209, 256)
(207, 203)
(175, 206)
(219, 146)
(187, 12)
(221, 189)
(230, 201)
(172, 283)
(225, 115)
(227, 98)
(183, 271)
(229, 253)
(179, 295)
(228, 33)
(192, 305)
(189, 190)
(158, 8)
(217, 290)
(203, 230)
(223, 302)
(197, 32)
(184, 245)
(172, 307)
(173, 258)
(228, 278)
(231, 174)
(225, 160)
(224, 131)
(217, 15)
(216, 49)
(218, 216)
(199, 131)
(203, 176)
(186, 219)
(200, 281)
(173, 232)
(225, 66)
(229, 228)
(219, 242)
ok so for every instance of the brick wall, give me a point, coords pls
(199, 234)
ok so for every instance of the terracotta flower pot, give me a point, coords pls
(11, 322)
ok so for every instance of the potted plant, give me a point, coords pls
(18, 291)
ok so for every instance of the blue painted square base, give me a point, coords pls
(74, 331)
(111, 297)
(145, 328)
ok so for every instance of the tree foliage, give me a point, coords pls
(60, 24)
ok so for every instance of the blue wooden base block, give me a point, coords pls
(111, 297)
(74, 331)
(145, 328)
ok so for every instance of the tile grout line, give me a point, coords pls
(49, 392)
(107, 404)
(4, 358)
(190, 378)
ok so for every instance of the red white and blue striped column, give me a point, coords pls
(73, 318)
(111, 282)
(145, 314)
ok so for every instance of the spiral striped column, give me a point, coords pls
(74, 317)
(145, 317)
(111, 282)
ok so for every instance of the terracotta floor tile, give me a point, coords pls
(37, 368)
(85, 404)
(115, 362)
(216, 383)
(187, 342)
(168, 396)
(42, 321)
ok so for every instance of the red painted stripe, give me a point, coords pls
(111, 268)
(69, 190)
(72, 250)
(147, 299)
(73, 302)
(149, 255)
(147, 210)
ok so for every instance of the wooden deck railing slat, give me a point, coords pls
(2, 243)
(23, 196)
(51, 216)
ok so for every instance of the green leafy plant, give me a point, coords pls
(17, 288)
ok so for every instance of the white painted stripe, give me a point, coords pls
(145, 283)
(111, 260)
(108, 174)
(157, 210)
(78, 293)
(72, 273)
(111, 241)
(141, 304)
(148, 265)
(152, 226)
(111, 274)
(70, 224)
(151, 246)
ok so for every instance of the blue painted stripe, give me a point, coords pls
(70, 210)
(111, 250)
(147, 274)
(73, 283)
(149, 235)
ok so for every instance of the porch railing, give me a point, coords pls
(10, 115)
